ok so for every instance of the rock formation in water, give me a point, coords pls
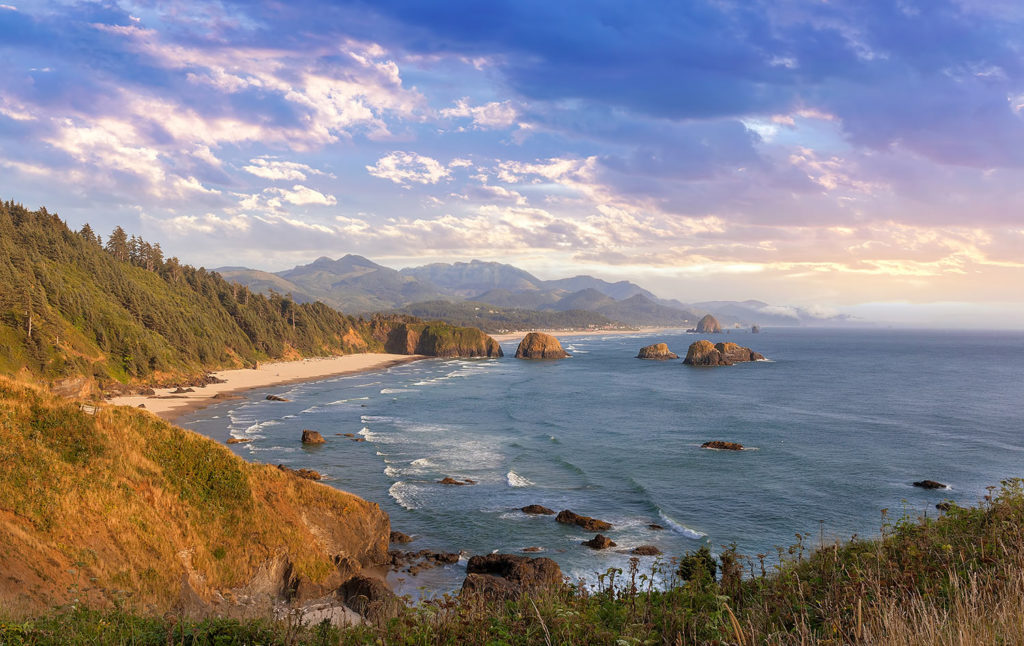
(722, 446)
(705, 353)
(754, 329)
(538, 510)
(708, 325)
(646, 550)
(586, 522)
(537, 345)
(312, 437)
(930, 484)
(440, 340)
(448, 480)
(658, 351)
(399, 537)
(506, 576)
(276, 398)
(599, 542)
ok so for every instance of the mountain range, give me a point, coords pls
(355, 284)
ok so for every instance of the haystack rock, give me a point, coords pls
(708, 325)
(312, 437)
(537, 345)
(705, 353)
(657, 351)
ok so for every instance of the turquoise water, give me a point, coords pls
(838, 423)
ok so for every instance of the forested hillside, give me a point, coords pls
(116, 310)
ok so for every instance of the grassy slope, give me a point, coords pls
(91, 505)
(957, 580)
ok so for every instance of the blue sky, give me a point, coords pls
(829, 153)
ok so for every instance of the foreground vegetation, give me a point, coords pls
(955, 579)
(117, 505)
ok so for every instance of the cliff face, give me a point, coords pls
(121, 501)
(705, 353)
(708, 325)
(537, 345)
(658, 351)
(440, 340)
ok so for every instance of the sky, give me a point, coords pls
(863, 156)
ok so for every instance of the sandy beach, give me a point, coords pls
(516, 336)
(170, 406)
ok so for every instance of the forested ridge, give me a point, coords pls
(117, 311)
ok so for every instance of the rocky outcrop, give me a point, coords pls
(312, 437)
(448, 480)
(506, 576)
(370, 597)
(930, 484)
(440, 340)
(537, 345)
(568, 517)
(708, 325)
(646, 550)
(537, 510)
(599, 542)
(399, 537)
(658, 351)
(705, 353)
(722, 446)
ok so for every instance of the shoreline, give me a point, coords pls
(513, 336)
(170, 407)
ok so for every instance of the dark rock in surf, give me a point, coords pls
(568, 517)
(312, 437)
(599, 542)
(646, 550)
(399, 537)
(930, 484)
(276, 398)
(537, 510)
(722, 446)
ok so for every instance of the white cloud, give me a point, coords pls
(487, 116)
(8, 7)
(269, 168)
(300, 196)
(402, 168)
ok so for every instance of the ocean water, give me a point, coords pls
(837, 424)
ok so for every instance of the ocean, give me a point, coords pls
(836, 425)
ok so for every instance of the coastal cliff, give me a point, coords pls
(96, 502)
(440, 340)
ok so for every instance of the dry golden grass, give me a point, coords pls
(95, 507)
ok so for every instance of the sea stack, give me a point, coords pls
(705, 353)
(755, 328)
(537, 345)
(658, 351)
(708, 325)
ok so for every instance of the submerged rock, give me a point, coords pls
(312, 437)
(448, 480)
(506, 576)
(722, 446)
(708, 325)
(705, 353)
(537, 510)
(537, 345)
(658, 351)
(930, 484)
(276, 398)
(568, 517)
(655, 526)
(599, 542)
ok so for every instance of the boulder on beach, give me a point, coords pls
(930, 484)
(506, 576)
(599, 542)
(276, 398)
(312, 437)
(568, 517)
(722, 446)
(537, 510)
(657, 351)
(708, 325)
(537, 345)
(705, 353)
